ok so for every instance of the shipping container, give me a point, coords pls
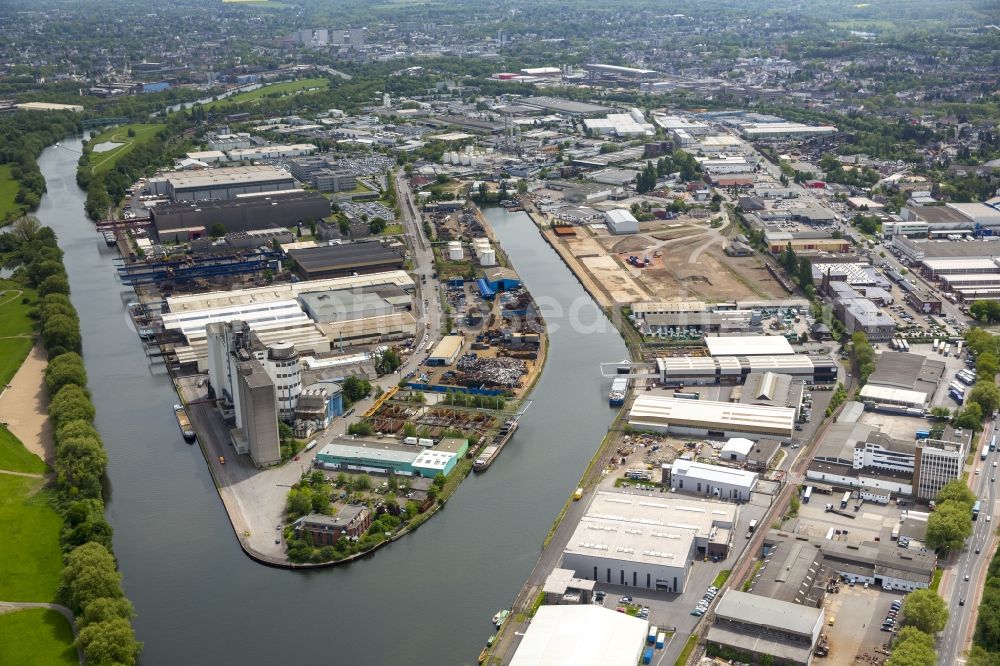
(647, 656)
(846, 498)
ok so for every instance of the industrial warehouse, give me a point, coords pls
(225, 183)
(313, 314)
(186, 220)
(705, 418)
(647, 542)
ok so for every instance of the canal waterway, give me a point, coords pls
(426, 599)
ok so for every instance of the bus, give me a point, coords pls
(947, 350)
(993, 443)
(975, 510)
(807, 494)
(936, 343)
(845, 500)
(906, 345)
(752, 527)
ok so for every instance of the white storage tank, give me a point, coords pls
(488, 257)
(454, 251)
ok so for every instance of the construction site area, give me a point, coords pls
(682, 261)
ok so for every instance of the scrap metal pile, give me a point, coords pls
(491, 372)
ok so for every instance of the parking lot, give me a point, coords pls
(871, 522)
(857, 615)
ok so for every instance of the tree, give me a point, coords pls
(61, 334)
(985, 394)
(53, 284)
(217, 230)
(926, 611)
(805, 274)
(80, 463)
(299, 502)
(63, 370)
(956, 491)
(71, 403)
(971, 417)
(109, 643)
(104, 609)
(90, 574)
(949, 526)
(987, 365)
(388, 362)
(940, 413)
(356, 388)
(26, 228)
(377, 225)
(913, 648)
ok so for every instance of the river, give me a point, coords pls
(426, 599)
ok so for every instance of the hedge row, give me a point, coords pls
(91, 582)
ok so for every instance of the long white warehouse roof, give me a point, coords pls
(748, 345)
(287, 291)
(192, 324)
(894, 395)
(658, 411)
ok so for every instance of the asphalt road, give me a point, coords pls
(956, 638)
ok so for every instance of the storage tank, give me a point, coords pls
(488, 257)
(454, 251)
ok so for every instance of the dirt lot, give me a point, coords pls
(712, 277)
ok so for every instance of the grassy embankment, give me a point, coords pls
(8, 190)
(36, 636)
(283, 88)
(30, 552)
(15, 327)
(105, 161)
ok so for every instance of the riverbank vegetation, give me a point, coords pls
(394, 508)
(89, 583)
(126, 136)
(23, 136)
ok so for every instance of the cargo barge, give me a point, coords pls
(184, 423)
(619, 390)
(492, 450)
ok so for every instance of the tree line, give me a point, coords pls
(91, 583)
(23, 136)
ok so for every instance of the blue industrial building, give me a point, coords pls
(484, 289)
(155, 87)
(501, 279)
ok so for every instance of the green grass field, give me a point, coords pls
(13, 351)
(14, 323)
(284, 88)
(101, 162)
(30, 553)
(15, 458)
(36, 636)
(8, 190)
